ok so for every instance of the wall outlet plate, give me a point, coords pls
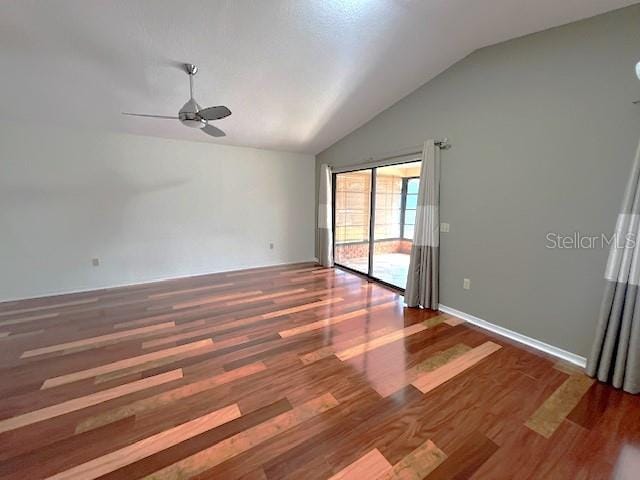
(95, 262)
(444, 227)
(466, 284)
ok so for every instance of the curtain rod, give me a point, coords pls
(382, 161)
(442, 144)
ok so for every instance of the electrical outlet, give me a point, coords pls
(95, 262)
(466, 284)
(444, 227)
(271, 246)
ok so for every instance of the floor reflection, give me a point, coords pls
(627, 466)
(391, 268)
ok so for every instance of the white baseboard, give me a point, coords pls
(518, 337)
(145, 281)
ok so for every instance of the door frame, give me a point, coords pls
(372, 219)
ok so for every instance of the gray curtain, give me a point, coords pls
(424, 266)
(325, 217)
(615, 355)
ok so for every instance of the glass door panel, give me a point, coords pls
(352, 219)
(396, 189)
(411, 203)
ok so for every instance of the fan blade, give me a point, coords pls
(149, 116)
(214, 113)
(213, 131)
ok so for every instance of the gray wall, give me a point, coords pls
(543, 131)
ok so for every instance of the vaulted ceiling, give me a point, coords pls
(297, 74)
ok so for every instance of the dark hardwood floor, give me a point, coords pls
(290, 372)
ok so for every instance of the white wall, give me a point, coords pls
(149, 208)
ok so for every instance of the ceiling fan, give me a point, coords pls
(193, 115)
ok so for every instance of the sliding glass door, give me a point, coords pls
(374, 216)
(352, 219)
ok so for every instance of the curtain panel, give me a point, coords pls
(615, 354)
(325, 217)
(424, 265)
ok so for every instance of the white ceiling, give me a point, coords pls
(297, 74)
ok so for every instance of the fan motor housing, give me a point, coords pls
(189, 117)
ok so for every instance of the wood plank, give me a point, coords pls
(300, 308)
(19, 336)
(246, 440)
(215, 299)
(418, 464)
(48, 306)
(322, 292)
(300, 270)
(87, 401)
(327, 322)
(324, 270)
(173, 293)
(92, 342)
(374, 466)
(370, 466)
(322, 323)
(548, 417)
(393, 382)
(472, 451)
(330, 350)
(177, 360)
(121, 364)
(164, 398)
(303, 279)
(150, 445)
(32, 318)
(255, 271)
(454, 321)
(356, 350)
(430, 380)
(268, 296)
(178, 337)
(255, 475)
